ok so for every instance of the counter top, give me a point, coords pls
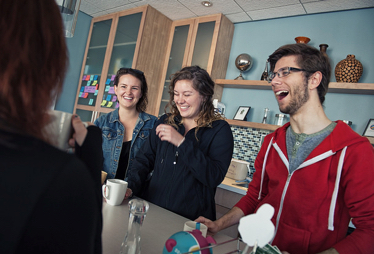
(158, 226)
(228, 184)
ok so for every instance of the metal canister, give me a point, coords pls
(279, 119)
(266, 111)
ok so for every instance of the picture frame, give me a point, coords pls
(241, 113)
(369, 130)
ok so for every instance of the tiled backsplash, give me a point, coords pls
(247, 143)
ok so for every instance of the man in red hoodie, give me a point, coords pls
(316, 173)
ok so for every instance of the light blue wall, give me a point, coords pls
(346, 32)
(76, 47)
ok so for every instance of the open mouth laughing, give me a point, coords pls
(184, 108)
(282, 94)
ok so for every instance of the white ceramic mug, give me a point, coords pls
(60, 129)
(114, 191)
(191, 225)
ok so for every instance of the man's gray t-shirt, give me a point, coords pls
(299, 146)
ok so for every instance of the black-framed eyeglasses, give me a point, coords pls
(283, 72)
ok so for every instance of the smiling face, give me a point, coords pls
(290, 91)
(128, 91)
(187, 99)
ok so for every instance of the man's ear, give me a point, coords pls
(314, 80)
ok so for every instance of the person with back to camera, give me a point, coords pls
(126, 128)
(50, 200)
(316, 173)
(189, 150)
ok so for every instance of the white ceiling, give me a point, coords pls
(236, 10)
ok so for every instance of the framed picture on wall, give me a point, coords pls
(242, 112)
(369, 130)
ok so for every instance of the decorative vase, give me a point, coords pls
(302, 39)
(323, 48)
(348, 70)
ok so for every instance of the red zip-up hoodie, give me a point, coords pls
(314, 204)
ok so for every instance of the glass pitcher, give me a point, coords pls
(137, 211)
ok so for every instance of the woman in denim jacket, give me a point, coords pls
(126, 128)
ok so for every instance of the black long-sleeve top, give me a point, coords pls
(50, 200)
(184, 178)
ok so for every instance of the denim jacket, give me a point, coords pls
(113, 131)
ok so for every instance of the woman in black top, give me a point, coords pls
(189, 150)
(50, 200)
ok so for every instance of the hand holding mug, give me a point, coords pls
(212, 225)
(80, 131)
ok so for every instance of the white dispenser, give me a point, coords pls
(221, 108)
(238, 169)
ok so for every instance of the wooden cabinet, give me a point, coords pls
(334, 87)
(135, 38)
(225, 200)
(204, 41)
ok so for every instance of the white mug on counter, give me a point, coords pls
(192, 225)
(114, 191)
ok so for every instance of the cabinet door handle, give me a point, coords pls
(93, 116)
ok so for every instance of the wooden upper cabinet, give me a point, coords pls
(204, 41)
(135, 38)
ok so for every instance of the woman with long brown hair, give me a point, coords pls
(125, 129)
(188, 152)
(50, 200)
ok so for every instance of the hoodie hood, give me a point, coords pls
(342, 136)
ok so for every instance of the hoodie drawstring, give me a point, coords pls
(336, 189)
(263, 167)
